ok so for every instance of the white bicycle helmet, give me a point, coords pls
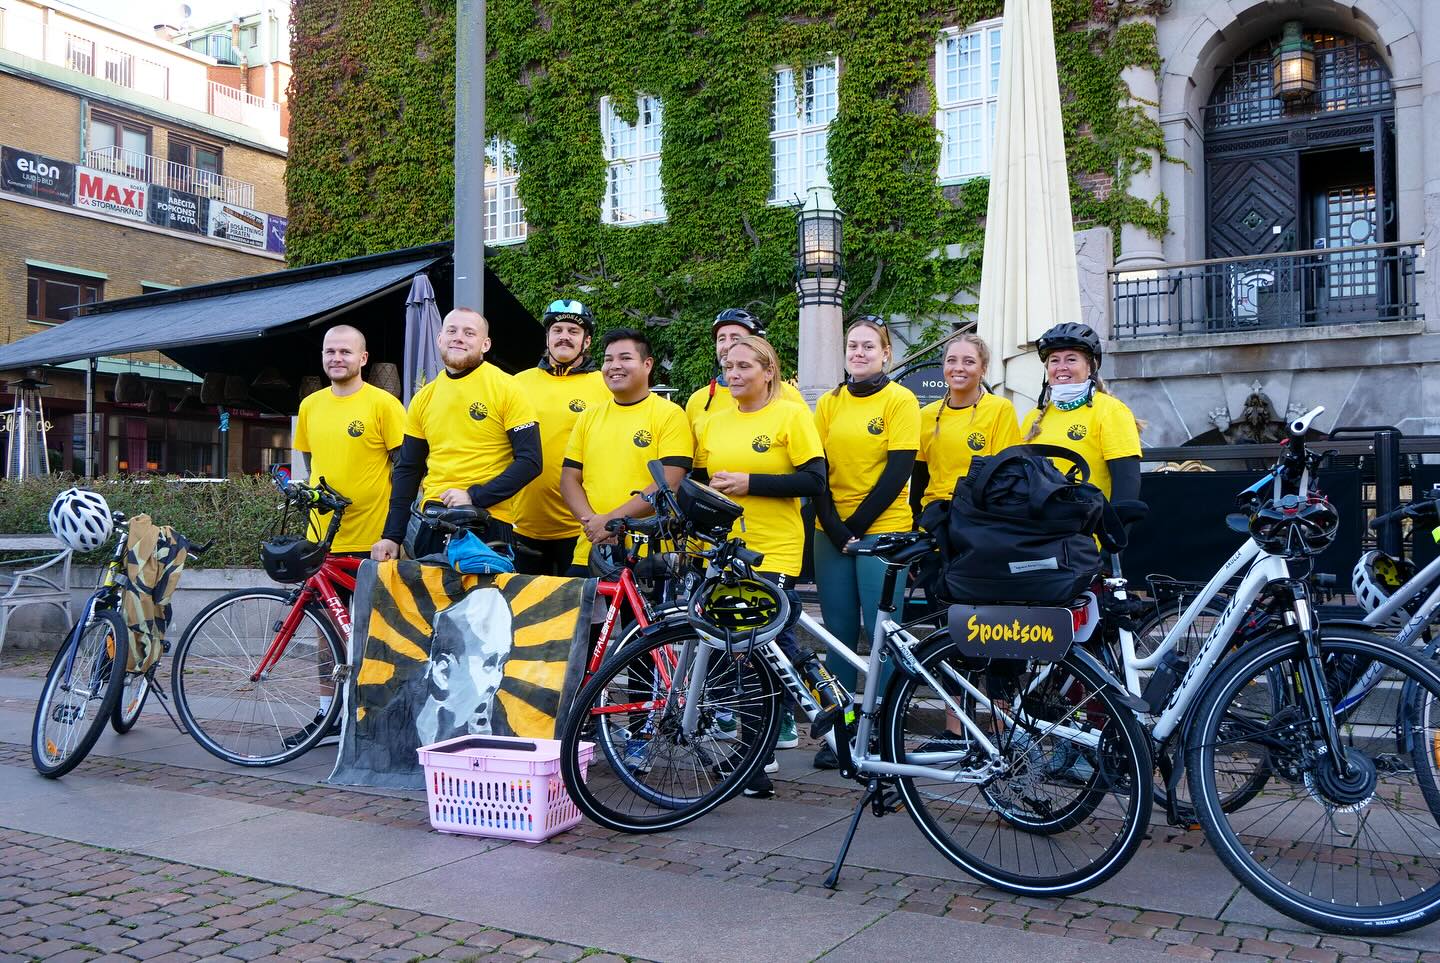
(1376, 577)
(81, 519)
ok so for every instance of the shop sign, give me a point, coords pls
(238, 225)
(34, 175)
(178, 210)
(275, 233)
(110, 194)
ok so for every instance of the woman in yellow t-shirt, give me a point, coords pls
(870, 427)
(765, 454)
(1076, 412)
(969, 421)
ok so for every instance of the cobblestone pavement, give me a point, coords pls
(41, 866)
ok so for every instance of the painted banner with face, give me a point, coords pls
(437, 654)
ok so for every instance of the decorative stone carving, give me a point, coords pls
(1258, 423)
(1219, 417)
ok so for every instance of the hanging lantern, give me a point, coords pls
(1293, 64)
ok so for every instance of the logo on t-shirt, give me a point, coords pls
(976, 441)
(577, 405)
(355, 429)
(876, 426)
(642, 438)
(761, 443)
(478, 411)
(1076, 432)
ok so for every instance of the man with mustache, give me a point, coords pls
(564, 384)
(471, 434)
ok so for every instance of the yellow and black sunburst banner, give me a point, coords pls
(437, 654)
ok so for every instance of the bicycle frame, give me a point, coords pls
(622, 591)
(104, 595)
(336, 571)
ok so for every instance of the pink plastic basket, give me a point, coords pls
(500, 786)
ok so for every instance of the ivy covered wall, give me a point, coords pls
(372, 140)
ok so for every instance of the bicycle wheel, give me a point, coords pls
(75, 708)
(1352, 848)
(1066, 803)
(648, 773)
(134, 692)
(239, 714)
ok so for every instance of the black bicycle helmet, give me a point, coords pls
(738, 316)
(1294, 528)
(1070, 335)
(567, 309)
(291, 558)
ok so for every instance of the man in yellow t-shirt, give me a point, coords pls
(347, 434)
(470, 434)
(612, 444)
(564, 384)
(729, 326)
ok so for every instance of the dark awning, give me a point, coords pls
(246, 323)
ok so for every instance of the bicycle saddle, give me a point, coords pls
(459, 518)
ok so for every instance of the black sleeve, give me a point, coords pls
(677, 461)
(919, 481)
(830, 522)
(525, 443)
(1124, 478)
(807, 481)
(892, 480)
(404, 483)
(700, 475)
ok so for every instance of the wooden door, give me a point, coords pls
(1253, 208)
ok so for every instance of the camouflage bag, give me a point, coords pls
(154, 558)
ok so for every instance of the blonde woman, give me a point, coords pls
(967, 422)
(1076, 412)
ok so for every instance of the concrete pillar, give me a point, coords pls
(822, 336)
(1138, 248)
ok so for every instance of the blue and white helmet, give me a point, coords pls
(81, 519)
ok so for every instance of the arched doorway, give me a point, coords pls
(1310, 181)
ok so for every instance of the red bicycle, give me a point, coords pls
(255, 675)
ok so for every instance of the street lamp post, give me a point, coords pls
(470, 154)
(820, 282)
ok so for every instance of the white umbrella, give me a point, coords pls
(422, 329)
(1029, 279)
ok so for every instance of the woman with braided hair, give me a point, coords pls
(1076, 412)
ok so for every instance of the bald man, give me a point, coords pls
(470, 434)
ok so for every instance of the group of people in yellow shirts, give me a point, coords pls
(557, 451)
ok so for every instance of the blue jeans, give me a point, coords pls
(849, 588)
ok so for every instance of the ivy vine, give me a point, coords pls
(372, 144)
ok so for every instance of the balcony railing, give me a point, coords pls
(1364, 284)
(166, 173)
(234, 104)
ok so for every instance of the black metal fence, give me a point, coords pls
(1364, 284)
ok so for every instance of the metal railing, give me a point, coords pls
(234, 104)
(1363, 284)
(166, 173)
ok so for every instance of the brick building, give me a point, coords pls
(135, 162)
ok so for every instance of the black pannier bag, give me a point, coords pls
(1018, 530)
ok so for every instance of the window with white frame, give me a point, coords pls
(504, 213)
(633, 194)
(967, 85)
(800, 116)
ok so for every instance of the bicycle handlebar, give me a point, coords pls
(1427, 506)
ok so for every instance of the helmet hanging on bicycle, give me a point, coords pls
(738, 613)
(1294, 528)
(568, 309)
(81, 519)
(738, 316)
(291, 558)
(1377, 576)
(1077, 337)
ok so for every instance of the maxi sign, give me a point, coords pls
(115, 195)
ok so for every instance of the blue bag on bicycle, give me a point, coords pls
(470, 556)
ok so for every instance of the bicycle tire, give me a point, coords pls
(1358, 829)
(247, 721)
(1064, 830)
(99, 667)
(133, 693)
(645, 774)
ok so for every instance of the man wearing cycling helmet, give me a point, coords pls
(565, 383)
(470, 434)
(729, 326)
(1076, 412)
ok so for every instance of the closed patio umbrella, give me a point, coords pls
(422, 328)
(1029, 280)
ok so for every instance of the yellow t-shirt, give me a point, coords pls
(858, 435)
(466, 421)
(1097, 432)
(349, 440)
(540, 512)
(697, 412)
(951, 437)
(612, 443)
(775, 440)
